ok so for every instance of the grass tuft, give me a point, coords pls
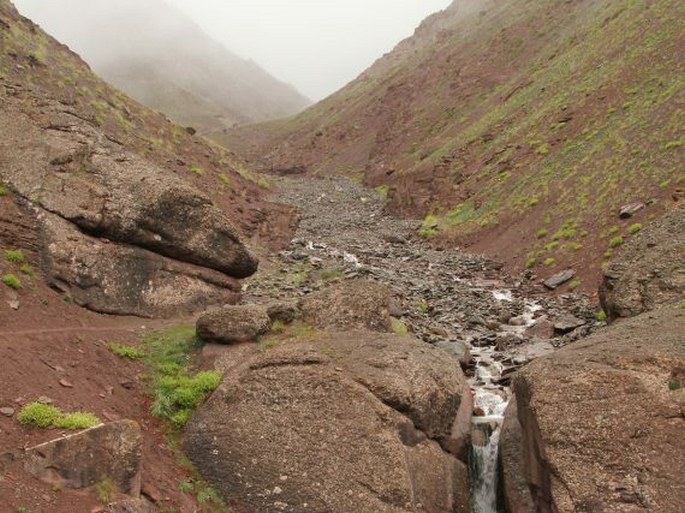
(14, 256)
(132, 353)
(38, 415)
(77, 420)
(12, 281)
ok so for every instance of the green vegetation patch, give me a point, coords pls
(634, 228)
(122, 351)
(616, 242)
(14, 256)
(175, 389)
(44, 415)
(398, 327)
(12, 281)
(4, 191)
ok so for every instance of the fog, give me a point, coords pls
(316, 45)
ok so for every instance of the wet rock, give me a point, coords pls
(351, 304)
(627, 211)
(649, 271)
(108, 451)
(340, 397)
(565, 323)
(543, 329)
(598, 410)
(559, 279)
(233, 324)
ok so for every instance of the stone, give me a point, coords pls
(543, 329)
(355, 420)
(284, 312)
(649, 271)
(7, 411)
(566, 323)
(233, 324)
(559, 279)
(596, 418)
(98, 275)
(133, 505)
(627, 211)
(109, 451)
(351, 304)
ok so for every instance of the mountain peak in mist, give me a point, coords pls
(160, 57)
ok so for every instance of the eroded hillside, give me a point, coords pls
(517, 128)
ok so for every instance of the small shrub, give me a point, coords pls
(14, 256)
(575, 246)
(122, 351)
(383, 190)
(552, 246)
(186, 487)
(616, 242)
(21, 509)
(278, 326)
(197, 170)
(77, 420)
(38, 415)
(550, 262)
(543, 149)
(601, 316)
(634, 228)
(428, 233)
(530, 262)
(180, 418)
(332, 274)
(574, 284)
(27, 270)
(541, 234)
(12, 281)
(105, 491)
(398, 327)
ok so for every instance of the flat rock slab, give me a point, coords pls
(567, 323)
(109, 451)
(559, 279)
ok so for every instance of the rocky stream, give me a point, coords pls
(489, 322)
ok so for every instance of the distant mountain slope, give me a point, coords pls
(521, 127)
(157, 55)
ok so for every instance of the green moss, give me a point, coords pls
(14, 256)
(398, 327)
(38, 415)
(223, 178)
(541, 234)
(122, 351)
(530, 262)
(601, 316)
(550, 262)
(197, 170)
(634, 228)
(331, 274)
(77, 420)
(12, 281)
(574, 284)
(616, 242)
(4, 191)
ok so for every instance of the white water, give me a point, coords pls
(492, 399)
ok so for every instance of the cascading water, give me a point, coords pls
(490, 400)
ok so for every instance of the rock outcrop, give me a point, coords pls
(114, 222)
(354, 304)
(106, 452)
(598, 425)
(650, 271)
(233, 324)
(350, 422)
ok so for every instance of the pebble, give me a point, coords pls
(7, 412)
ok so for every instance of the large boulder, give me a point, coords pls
(233, 324)
(650, 270)
(598, 425)
(351, 304)
(349, 422)
(106, 452)
(124, 280)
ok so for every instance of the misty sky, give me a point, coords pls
(316, 45)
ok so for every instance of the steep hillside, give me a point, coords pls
(519, 128)
(157, 55)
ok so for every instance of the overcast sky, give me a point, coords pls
(316, 45)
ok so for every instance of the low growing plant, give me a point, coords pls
(77, 420)
(132, 353)
(12, 281)
(634, 228)
(398, 327)
(616, 242)
(14, 256)
(39, 415)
